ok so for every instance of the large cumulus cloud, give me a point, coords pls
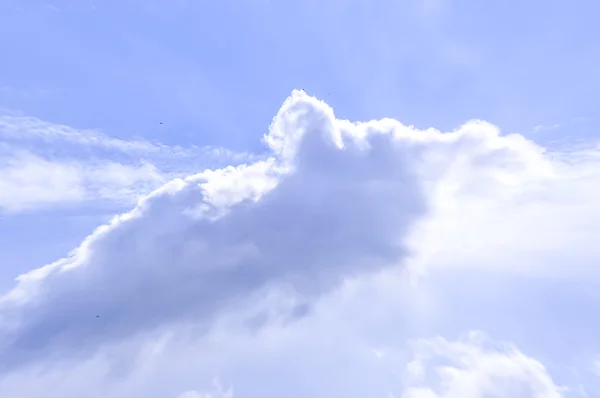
(327, 204)
(374, 232)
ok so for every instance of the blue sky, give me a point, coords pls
(104, 102)
(124, 67)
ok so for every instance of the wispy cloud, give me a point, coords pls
(582, 119)
(29, 181)
(27, 129)
(44, 164)
(547, 127)
(542, 127)
(217, 392)
(473, 369)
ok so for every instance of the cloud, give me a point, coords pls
(44, 164)
(216, 392)
(541, 127)
(26, 128)
(29, 181)
(471, 368)
(345, 238)
(226, 234)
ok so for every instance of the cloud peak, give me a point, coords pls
(210, 240)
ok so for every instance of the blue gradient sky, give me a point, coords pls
(213, 71)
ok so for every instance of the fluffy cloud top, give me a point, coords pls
(333, 203)
(220, 236)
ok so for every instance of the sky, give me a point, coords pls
(335, 198)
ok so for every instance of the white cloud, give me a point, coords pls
(27, 128)
(471, 369)
(286, 273)
(44, 164)
(29, 181)
(216, 259)
(217, 392)
(541, 127)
